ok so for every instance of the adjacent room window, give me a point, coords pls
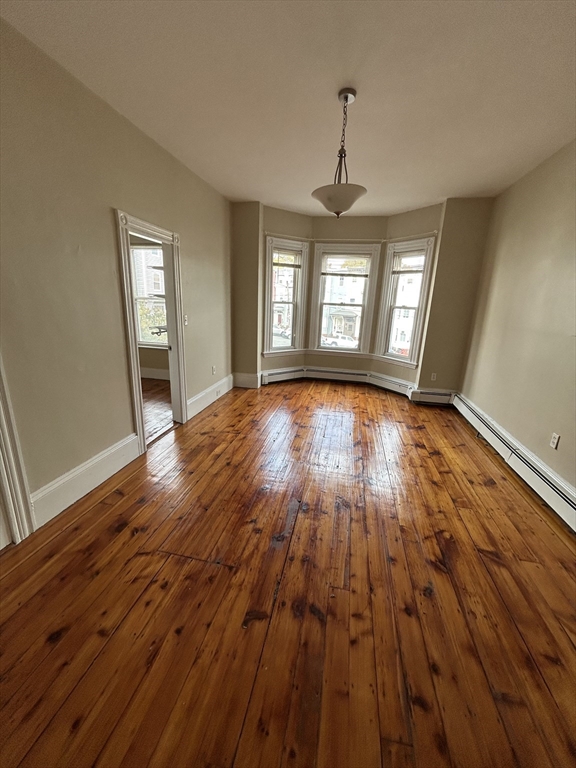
(286, 271)
(404, 296)
(149, 294)
(344, 289)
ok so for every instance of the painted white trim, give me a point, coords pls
(433, 396)
(14, 484)
(155, 373)
(151, 344)
(247, 380)
(175, 321)
(372, 251)
(281, 353)
(555, 491)
(209, 395)
(337, 374)
(55, 497)
(298, 246)
(171, 249)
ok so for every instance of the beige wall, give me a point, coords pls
(247, 262)
(521, 364)
(278, 222)
(349, 228)
(68, 160)
(153, 358)
(422, 221)
(459, 260)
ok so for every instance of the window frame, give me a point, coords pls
(387, 304)
(298, 298)
(321, 250)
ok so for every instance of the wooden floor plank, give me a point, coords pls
(333, 746)
(312, 574)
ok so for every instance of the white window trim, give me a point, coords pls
(152, 345)
(372, 250)
(273, 243)
(384, 325)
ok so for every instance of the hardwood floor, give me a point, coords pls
(309, 574)
(157, 408)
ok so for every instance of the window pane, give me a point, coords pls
(286, 257)
(408, 290)
(282, 284)
(344, 290)
(282, 320)
(148, 271)
(340, 326)
(412, 261)
(152, 320)
(401, 332)
(347, 264)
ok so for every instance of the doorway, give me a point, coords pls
(154, 322)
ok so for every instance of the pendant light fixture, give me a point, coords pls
(341, 196)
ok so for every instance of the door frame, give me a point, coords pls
(14, 484)
(175, 318)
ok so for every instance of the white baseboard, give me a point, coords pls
(247, 380)
(555, 491)
(155, 373)
(55, 497)
(432, 396)
(208, 396)
(336, 374)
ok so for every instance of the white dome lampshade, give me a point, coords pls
(339, 198)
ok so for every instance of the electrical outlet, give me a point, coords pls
(185, 319)
(213, 370)
(554, 441)
(433, 377)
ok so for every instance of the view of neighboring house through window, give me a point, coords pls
(285, 262)
(149, 294)
(345, 296)
(405, 287)
(343, 290)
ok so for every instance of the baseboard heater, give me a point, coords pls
(547, 484)
(340, 374)
(432, 396)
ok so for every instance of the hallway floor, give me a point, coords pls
(309, 574)
(157, 408)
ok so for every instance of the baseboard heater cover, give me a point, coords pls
(555, 491)
(432, 396)
(337, 374)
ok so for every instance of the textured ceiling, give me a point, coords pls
(454, 98)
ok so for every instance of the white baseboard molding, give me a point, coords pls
(337, 374)
(55, 497)
(208, 396)
(247, 380)
(432, 396)
(155, 373)
(555, 491)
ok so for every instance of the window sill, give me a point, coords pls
(286, 351)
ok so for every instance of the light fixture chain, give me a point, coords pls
(344, 122)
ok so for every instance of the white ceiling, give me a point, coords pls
(455, 99)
